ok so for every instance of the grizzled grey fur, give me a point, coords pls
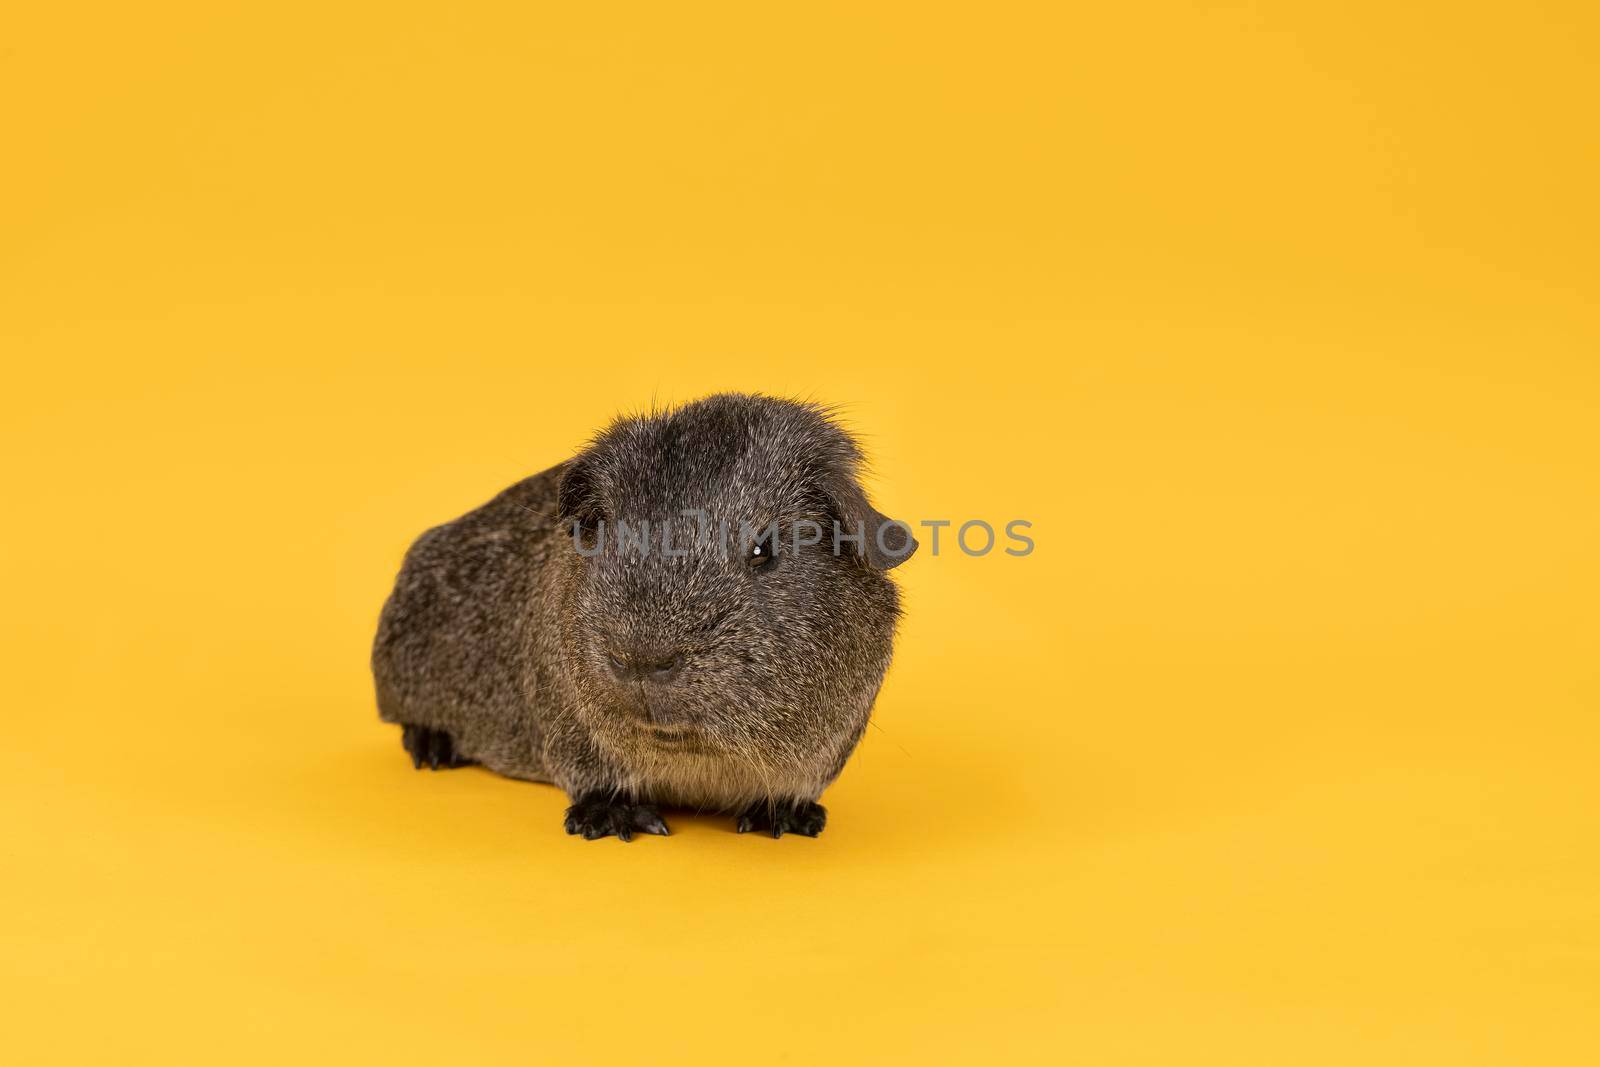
(736, 677)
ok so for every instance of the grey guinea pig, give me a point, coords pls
(727, 659)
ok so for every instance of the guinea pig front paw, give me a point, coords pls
(779, 817)
(596, 815)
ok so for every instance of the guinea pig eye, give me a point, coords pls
(760, 556)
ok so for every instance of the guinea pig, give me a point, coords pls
(694, 611)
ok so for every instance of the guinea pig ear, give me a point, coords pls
(885, 543)
(578, 504)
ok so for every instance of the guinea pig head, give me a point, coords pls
(725, 587)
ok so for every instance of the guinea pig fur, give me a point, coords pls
(656, 622)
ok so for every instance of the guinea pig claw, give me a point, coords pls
(598, 815)
(436, 748)
(803, 817)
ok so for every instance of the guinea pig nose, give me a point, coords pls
(664, 669)
(645, 666)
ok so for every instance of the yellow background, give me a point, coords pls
(1279, 322)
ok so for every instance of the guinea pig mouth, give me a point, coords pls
(677, 737)
(653, 709)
